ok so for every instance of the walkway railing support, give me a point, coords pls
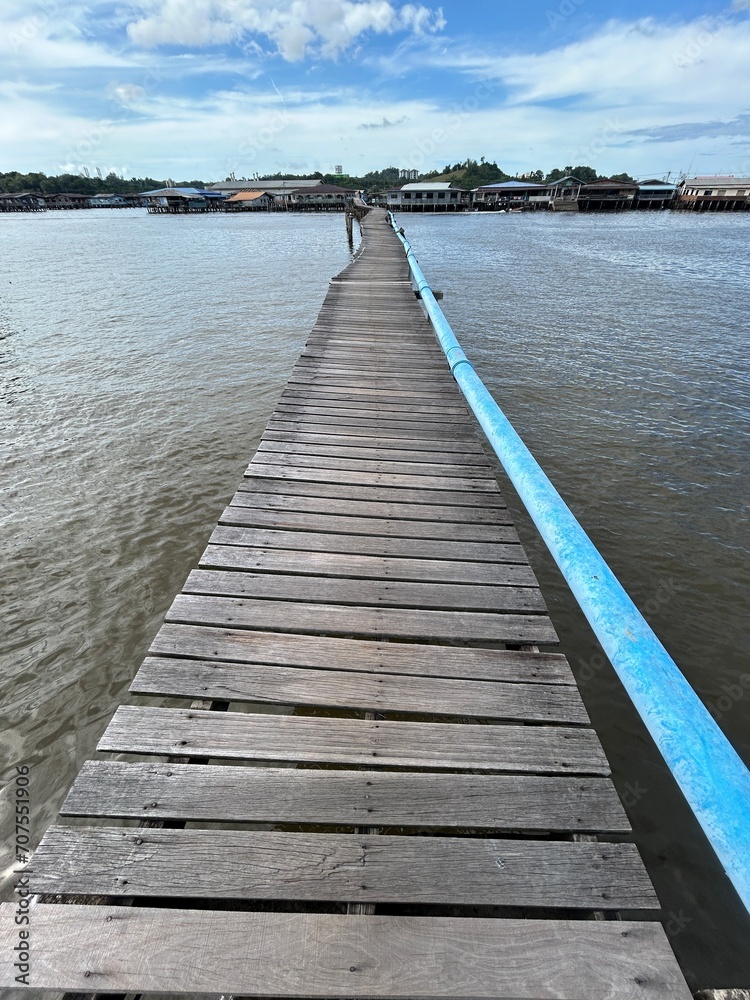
(712, 776)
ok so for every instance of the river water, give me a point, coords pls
(140, 358)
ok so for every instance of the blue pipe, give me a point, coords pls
(710, 772)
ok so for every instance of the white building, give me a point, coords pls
(428, 196)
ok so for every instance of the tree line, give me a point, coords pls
(467, 174)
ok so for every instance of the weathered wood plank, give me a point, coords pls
(376, 592)
(385, 403)
(441, 746)
(332, 366)
(395, 623)
(365, 383)
(481, 472)
(234, 864)
(385, 428)
(379, 422)
(220, 681)
(375, 508)
(269, 470)
(370, 545)
(227, 794)
(331, 589)
(301, 955)
(372, 390)
(332, 438)
(471, 505)
(419, 496)
(447, 418)
(365, 655)
(242, 516)
(374, 451)
(328, 355)
(323, 346)
(238, 557)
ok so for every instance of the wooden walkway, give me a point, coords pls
(367, 780)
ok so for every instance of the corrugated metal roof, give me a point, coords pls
(187, 192)
(510, 185)
(230, 187)
(249, 195)
(323, 189)
(717, 181)
(430, 186)
(606, 182)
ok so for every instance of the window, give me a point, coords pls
(430, 195)
(406, 195)
(441, 194)
(707, 192)
(454, 195)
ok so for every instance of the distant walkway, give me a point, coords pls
(367, 780)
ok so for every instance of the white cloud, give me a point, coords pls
(695, 64)
(421, 19)
(644, 97)
(49, 37)
(294, 27)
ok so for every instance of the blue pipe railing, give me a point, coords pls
(712, 776)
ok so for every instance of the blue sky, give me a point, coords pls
(202, 88)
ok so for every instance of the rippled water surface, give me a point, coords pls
(141, 356)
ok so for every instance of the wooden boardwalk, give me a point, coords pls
(367, 780)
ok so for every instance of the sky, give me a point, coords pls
(201, 89)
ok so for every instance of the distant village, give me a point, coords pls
(565, 194)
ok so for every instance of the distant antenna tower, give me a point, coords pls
(86, 171)
(99, 173)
